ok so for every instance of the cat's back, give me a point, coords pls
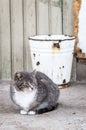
(40, 75)
(47, 86)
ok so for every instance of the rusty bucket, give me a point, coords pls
(53, 55)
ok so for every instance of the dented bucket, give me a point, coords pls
(53, 55)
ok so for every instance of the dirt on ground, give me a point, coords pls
(70, 114)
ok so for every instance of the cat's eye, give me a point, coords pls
(21, 77)
(15, 78)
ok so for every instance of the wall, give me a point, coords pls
(81, 63)
(82, 27)
(20, 19)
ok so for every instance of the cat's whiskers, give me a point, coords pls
(30, 86)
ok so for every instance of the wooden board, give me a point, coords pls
(68, 17)
(56, 17)
(42, 17)
(17, 35)
(29, 29)
(68, 28)
(5, 60)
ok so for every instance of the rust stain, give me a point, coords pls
(76, 9)
(56, 46)
(79, 53)
(64, 85)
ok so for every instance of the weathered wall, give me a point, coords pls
(20, 19)
(80, 31)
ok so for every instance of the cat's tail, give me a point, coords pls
(47, 109)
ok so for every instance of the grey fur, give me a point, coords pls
(47, 91)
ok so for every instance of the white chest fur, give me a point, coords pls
(24, 99)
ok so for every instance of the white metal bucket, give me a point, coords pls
(53, 55)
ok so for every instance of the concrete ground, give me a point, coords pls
(70, 115)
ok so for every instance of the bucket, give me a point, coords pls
(53, 55)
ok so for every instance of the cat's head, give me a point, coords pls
(25, 80)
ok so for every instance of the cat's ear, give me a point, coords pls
(18, 76)
(34, 73)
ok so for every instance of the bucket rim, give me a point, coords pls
(69, 37)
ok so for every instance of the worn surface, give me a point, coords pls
(76, 9)
(70, 115)
(5, 52)
(81, 73)
(20, 19)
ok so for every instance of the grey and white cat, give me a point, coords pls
(34, 92)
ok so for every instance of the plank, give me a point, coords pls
(68, 28)
(68, 17)
(17, 35)
(42, 17)
(56, 17)
(29, 29)
(5, 60)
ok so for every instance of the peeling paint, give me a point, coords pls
(64, 81)
(52, 56)
(34, 54)
(56, 46)
(38, 63)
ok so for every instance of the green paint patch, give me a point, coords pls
(44, 1)
(56, 3)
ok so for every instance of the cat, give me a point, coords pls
(34, 92)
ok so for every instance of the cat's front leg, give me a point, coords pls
(23, 112)
(31, 112)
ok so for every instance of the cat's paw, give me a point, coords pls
(23, 112)
(31, 113)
